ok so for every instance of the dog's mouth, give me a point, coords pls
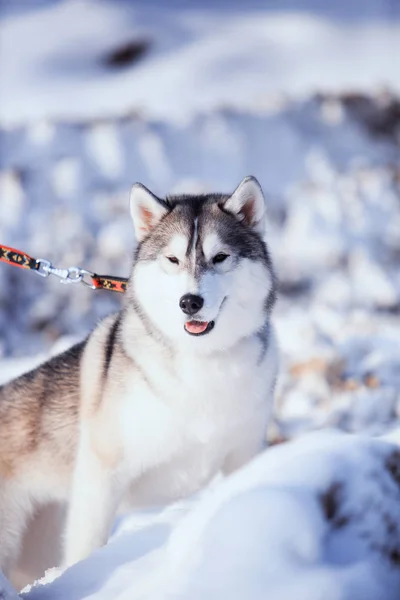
(198, 327)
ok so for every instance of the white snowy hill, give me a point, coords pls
(313, 519)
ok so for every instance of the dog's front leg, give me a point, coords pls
(95, 494)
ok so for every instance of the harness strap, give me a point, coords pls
(44, 268)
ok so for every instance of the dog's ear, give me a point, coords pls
(146, 210)
(247, 203)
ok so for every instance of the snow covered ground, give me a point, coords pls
(194, 96)
(200, 55)
(314, 519)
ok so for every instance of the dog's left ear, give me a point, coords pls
(146, 210)
(247, 203)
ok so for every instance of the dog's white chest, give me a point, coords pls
(178, 430)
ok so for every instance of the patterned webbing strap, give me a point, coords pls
(114, 284)
(17, 258)
(98, 282)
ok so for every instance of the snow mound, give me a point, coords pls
(313, 519)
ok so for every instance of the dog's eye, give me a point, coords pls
(220, 257)
(173, 260)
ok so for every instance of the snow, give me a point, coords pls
(201, 55)
(304, 520)
(293, 93)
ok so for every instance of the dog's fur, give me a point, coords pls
(141, 410)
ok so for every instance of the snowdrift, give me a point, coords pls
(312, 519)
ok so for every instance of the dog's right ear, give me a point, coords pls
(146, 210)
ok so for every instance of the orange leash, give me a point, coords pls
(44, 268)
(17, 258)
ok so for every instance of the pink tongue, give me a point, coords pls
(196, 326)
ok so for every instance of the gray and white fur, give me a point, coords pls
(163, 395)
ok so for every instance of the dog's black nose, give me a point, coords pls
(191, 304)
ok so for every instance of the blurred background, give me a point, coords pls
(192, 96)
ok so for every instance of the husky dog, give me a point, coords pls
(163, 395)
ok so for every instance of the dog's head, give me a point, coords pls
(202, 275)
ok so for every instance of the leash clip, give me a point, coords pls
(77, 275)
(70, 275)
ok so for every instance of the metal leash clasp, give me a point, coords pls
(70, 275)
